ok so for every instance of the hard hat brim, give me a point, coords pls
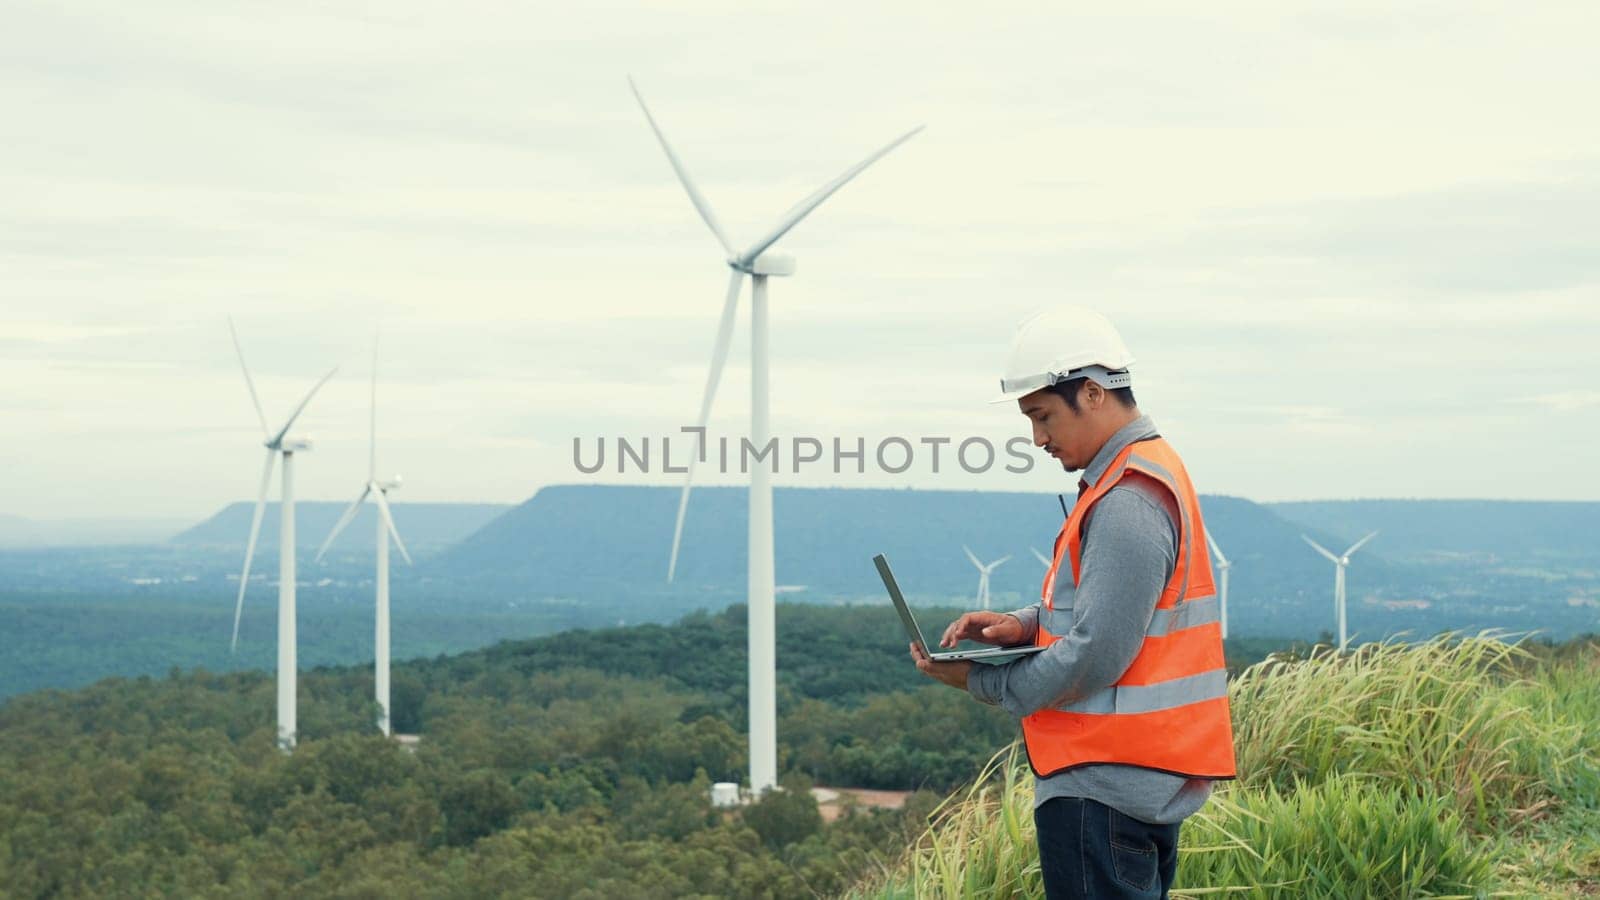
(1015, 388)
(1013, 396)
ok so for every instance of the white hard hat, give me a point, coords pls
(1060, 343)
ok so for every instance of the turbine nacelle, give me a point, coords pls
(389, 485)
(289, 445)
(767, 264)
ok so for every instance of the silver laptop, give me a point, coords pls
(987, 655)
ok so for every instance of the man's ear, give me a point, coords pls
(1093, 394)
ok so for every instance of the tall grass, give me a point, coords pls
(1438, 717)
(1394, 771)
(1564, 703)
(980, 842)
(1343, 837)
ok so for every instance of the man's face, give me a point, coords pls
(1062, 432)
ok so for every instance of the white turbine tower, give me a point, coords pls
(1339, 564)
(1222, 589)
(378, 491)
(276, 444)
(983, 575)
(756, 262)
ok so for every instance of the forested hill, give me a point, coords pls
(577, 765)
(571, 766)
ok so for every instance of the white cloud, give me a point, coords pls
(1321, 226)
(1568, 401)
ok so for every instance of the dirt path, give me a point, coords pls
(833, 801)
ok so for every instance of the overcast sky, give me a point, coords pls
(1356, 251)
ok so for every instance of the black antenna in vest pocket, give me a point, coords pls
(1063, 499)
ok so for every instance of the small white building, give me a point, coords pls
(724, 795)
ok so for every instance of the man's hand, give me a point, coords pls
(1000, 629)
(951, 673)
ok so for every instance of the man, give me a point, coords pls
(1125, 711)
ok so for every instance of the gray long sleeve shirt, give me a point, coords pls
(1128, 555)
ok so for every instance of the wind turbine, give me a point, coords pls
(756, 261)
(983, 575)
(1222, 570)
(1339, 564)
(277, 444)
(378, 491)
(1043, 560)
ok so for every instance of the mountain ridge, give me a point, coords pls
(420, 524)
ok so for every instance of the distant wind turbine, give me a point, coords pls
(1222, 571)
(1043, 560)
(983, 575)
(378, 491)
(1339, 564)
(759, 263)
(277, 444)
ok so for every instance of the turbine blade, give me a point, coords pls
(388, 519)
(719, 356)
(677, 528)
(719, 350)
(1321, 549)
(250, 546)
(1361, 543)
(344, 519)
(247, 380)
(972, 556)
(700, 204)
(804, 207)
(1044, 560)
(996, 564)
(372, 418)
(301, 408)
(1215, 550)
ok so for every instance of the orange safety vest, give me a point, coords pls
(1169, 710)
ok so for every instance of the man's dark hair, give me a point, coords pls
(1068, 391)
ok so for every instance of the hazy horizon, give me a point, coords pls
(87, 531)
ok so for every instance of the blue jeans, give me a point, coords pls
(1089, 851)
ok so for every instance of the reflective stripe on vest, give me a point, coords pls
(1169, 709)
(1142, 698)
(1188, 614)
(1150, 466)
(1115, 474)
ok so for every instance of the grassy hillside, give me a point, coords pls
(1450, 768)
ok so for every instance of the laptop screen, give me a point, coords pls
(906, 619)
